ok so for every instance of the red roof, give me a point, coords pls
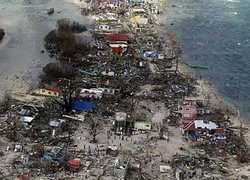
(117, 49)
(118, 37)
(26, 176)
(189, 127)
(74, 162)
(219, 130)
(51, 88)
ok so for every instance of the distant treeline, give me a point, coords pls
(2, 33)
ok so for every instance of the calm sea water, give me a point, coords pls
(216, 33)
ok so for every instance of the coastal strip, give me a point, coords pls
(119, 103)
(204, 87)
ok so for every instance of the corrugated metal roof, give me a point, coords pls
(208, 125)
(26, 119)
(54, 123)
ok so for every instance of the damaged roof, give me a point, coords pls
(118, 37)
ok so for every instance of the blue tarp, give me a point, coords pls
(83, 105)
(192, 133)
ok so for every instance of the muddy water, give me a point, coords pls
(26, 23)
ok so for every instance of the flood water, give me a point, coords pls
(26, 23)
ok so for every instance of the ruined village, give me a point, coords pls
(119, 104)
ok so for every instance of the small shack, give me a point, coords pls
(143, 125)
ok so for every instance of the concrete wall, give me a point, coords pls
(45, 92)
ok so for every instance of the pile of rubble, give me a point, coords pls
(114, 109)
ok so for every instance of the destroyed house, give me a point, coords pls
(121, 169)
(112, 5)
(74, 165)
(188, 110)
(201, 109)
(112, 150)
(149, 53)
(119, 47)
(161, 56)
(118, 42)
(107, 90)
(28, 114)
(117, 37)
(55, 154)
(91, 93)
(142, 2)
(139, 17)
(109, 4)
(28, 110)
(120, 121)
(27, 175)
(178, 89)
(195, 126)
(107, 17)
(108, 71)
(103, 27)
(54, 123)
(26, 120)
(58, 123)
(143, 125)
(45, 92)
(106, 26)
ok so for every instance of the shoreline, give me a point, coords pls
(154, 145)
(204, 87)
(217, 101)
